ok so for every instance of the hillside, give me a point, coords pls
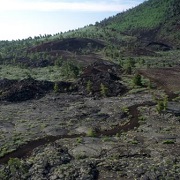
(153, 25)
(97, 103)
(154, 20)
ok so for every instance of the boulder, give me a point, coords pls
(174, 108)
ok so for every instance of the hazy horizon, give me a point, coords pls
(21, 19)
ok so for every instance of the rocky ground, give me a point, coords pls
(148, 151)
(85, 135)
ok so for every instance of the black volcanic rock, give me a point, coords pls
(159, 46)
(68, 44)
(26, 89)
(22, 90)
(100, 74)
(174, 108)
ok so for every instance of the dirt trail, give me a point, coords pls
(26, 150)
(133, 111)
(167, 78)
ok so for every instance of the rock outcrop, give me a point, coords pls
(101, 79)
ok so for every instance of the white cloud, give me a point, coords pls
(46, 5)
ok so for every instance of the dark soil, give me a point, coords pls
(141, 52)
(69, 44)
(26, 150)
(167, 78)
(157, 46)
(81, 51)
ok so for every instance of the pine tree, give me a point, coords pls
(137, 80)
(89, 87)
(56, 88)
(104, 90)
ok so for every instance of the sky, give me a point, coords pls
(21, 19)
